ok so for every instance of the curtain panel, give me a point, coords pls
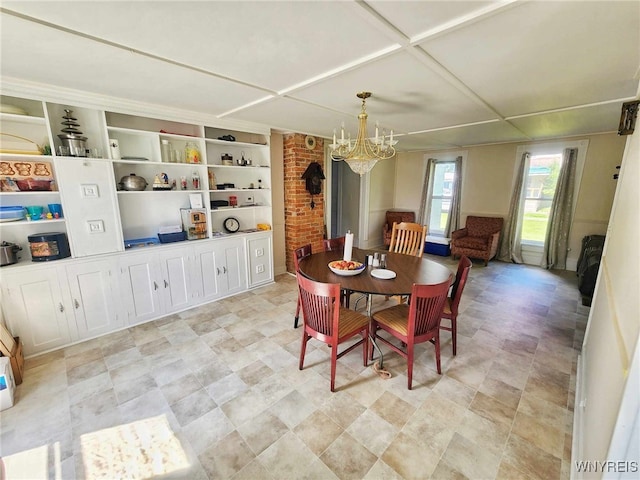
(556, 243)
(510, 249)
(453, 219)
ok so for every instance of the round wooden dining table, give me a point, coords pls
(408, 270)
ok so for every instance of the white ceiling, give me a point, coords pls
(443, 74)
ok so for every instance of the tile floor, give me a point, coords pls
(215, 392)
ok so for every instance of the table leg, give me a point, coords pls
(373, 342)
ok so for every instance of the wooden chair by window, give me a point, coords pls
(451, 305)
(331, 244)
(327, 321)
(298, 254)
(413, 324)
(408, 238)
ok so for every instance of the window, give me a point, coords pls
(541, 178)
(440, 195)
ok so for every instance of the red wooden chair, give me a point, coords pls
(412, 324)
(451, 305)
(327, 321)
(298, 254)
(331, 244)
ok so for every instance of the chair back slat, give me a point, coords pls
(408, 238)
(425, 310)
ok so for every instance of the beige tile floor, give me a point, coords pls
(215, 392)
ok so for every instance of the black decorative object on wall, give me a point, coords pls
(628, 117)
(313, 176)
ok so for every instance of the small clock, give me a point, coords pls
(231, 224)
(310, 142)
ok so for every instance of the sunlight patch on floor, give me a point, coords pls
(142, 449)
(29, 464)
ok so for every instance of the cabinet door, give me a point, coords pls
(93, 298)
(34, 309)
(234, 267)
(176, 280)
(88, 198)
(260, 260)
(140, 288)
(206, 275)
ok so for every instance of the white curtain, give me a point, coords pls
(453, 219)
(424, 212)
(556, 243)
(510, 249)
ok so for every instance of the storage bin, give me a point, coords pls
(437, 246)
(172, 237)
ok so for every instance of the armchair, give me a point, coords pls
(395, 217)
(479, 238)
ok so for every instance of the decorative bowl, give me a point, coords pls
(346, 269)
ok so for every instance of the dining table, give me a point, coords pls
(406, 270)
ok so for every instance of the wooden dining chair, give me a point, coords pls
(331, 244)
(408, 238)
(327, 321)
(298, 254)
(450, 310)
(413, 324)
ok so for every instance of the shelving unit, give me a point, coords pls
(104, 286)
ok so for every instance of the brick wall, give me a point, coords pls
(302, 224)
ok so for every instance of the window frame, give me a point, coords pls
(549, 148)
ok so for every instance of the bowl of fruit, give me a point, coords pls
(346, 269)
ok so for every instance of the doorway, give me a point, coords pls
(345, 201)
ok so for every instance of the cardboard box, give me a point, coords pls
(7, 343)
(17, 362)
(7, 384)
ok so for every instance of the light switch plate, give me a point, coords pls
(95, 226)
(89, 190)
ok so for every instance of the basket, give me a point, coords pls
(17, 147)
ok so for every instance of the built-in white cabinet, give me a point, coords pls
(260, 255)
(175, 275)
(140, 287)
(94, 301)
(109, 282)
(90, 209)
(34, 305)
(219, 268)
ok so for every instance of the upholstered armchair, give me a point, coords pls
(397, 217)
(478, 239)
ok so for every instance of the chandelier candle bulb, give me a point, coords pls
(348, 246)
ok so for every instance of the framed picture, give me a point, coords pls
(628, 117)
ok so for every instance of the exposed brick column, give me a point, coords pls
(302, 224)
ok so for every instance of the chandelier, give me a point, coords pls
(365, 152)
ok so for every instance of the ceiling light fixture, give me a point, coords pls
(366, 152)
